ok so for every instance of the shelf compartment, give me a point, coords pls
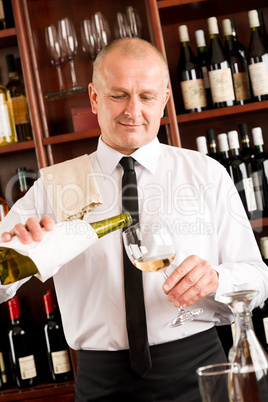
(8, 38)
(16, 147)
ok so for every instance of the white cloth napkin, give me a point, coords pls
(59, 246)
(72, 188)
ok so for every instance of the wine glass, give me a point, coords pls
(88, 35)
(122, 28)
(55, 51)
(102, 31)
(68, 41)
(151, 247)
(220, 382)
(134, 22)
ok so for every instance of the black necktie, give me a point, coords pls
(135, 310)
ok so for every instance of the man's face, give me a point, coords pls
(129, 101)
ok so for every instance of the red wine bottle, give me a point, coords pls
(189, 76)
(257, 59)
(57, 349)
(220, 76)
(239, 66)
(212, 144)
(241, 176)
(203, 64)
(23, 359)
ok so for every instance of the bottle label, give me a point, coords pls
(259, 78)
(61, 362)
(27, 367)
(3, 368)
(5, 130)
(194, 94)
(250, 195)
(20, 109)
(241, 84)
(2, 14)
(221, 85)
(258, 190)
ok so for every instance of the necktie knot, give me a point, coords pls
(127, 163)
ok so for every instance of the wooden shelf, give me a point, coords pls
(259, 223)
(172, 3)
(8, 38)
(44, 392)
(19, 146)
(226, 111)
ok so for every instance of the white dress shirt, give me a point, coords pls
(196, 196)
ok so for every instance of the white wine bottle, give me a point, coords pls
(257, 59)
(220, 76)
(189, 76)
(15, 265)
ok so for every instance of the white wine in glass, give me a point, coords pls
(151, 247)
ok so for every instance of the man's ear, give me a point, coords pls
(93, 98)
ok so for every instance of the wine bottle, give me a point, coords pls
(262, 24)
(201, 143)
(220, 76)
(260, 175)
(23, 359)
(2, 16)
(18, 101)
(8, 133)
(257, 59)
(23, 183)
(5, 363)
(224, 151)
(189, 76)
(57, 349)
(238, 65)
(247, 152)
(203, 64)
(212, 144)
(15, 266)
(241, 48)
(241, 176)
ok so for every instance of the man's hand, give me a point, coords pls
(191, 281)
(32, 230)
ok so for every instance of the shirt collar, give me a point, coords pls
(147, 156)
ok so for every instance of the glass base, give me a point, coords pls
(185, 316)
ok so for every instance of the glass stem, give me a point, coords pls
(60, 78)
(73, 75)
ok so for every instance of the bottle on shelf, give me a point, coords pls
(2, 16)
(240, 175)
(247, 152)
(241, 48)
(224, 151)
(6, 15)
(260, 175)
(23, 186)
(15, 266)
(212, 144)
(6, 379)
(18, 101)
(57, 349)
(257, 59)
(202, 62)
(201, 143)
(220, 76)
(189, 76)
(23, 359)
(262, 24)
(8, 133)
(238, 65)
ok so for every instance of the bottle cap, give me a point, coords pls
(244, 131)
(213, 25)
(227, 27)
(183, 33)
(201, 143)
(253, 18)
(223, 142)
(48, 303)
(14, 310)
(233, 139)
(211, 135)
(11, 65)
(200, 38)
(257, 136)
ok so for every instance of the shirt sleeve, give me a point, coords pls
(240, 263)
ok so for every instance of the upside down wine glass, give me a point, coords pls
(150, 247)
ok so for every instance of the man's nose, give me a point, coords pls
(133, 108)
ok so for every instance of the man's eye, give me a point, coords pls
(117, 96)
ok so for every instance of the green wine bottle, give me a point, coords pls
(15, 266)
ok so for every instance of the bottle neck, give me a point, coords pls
(259, 149)
(234, 152)
(224, 155)
(109, 225)
(13, 75)
(246, 142)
